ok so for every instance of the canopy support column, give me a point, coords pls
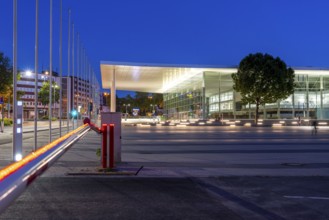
(113, 93)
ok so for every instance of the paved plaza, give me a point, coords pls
(200, 172)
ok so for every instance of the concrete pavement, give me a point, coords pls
(189, 173)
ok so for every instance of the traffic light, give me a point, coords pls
(74, 113)
(90, 106)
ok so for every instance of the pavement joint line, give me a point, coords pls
(112, 173)
(307, 197)
(239, 201)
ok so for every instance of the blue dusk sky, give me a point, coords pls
(200, 32)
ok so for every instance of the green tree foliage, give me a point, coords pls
(6, 80)
(141, 100)
(262, 79)
(43, 95)
(6, 74)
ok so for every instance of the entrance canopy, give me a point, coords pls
(159, 78)
(153, 78)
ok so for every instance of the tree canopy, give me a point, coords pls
(262, 79)
(6, 75)
(6, 79)
(43, 95)
(141, 100)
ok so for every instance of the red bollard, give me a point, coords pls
(111, 146)
(104, 145)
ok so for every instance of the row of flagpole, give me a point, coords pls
(82, 73)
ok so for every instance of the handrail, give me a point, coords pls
(15, 178)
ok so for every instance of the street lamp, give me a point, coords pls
(127, 105)
(55, 86)
(28, 73)
(105, 95)
(152, 108)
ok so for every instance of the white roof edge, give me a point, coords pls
(120, 63)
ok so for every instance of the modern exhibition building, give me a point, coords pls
(204, 92)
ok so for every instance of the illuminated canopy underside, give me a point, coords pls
(158, 78)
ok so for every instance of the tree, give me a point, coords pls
(142, 100)
(6, 80)
(262, 79)
(6, 74)
(43, 95)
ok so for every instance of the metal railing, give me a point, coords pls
(15, 178)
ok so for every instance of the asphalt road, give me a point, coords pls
(189, 173)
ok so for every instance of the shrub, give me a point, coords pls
(8, 121)
(45, 117)
(98, 152)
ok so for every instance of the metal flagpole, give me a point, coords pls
(14, 77)
(89, 89)
(84, 81)
(82, 77)
(78, 72)
(60, 71)
(50, 66)
(86, 90)
(68, 87)
(36, 75)
(73, 80)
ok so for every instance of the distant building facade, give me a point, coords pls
(77, 94)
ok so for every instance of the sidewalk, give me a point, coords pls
(28, 126)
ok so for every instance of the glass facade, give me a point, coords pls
(210, 94)
(184, 100)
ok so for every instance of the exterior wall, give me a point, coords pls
(185, 100)
(26, 85)
(81, 95)
(85, 93)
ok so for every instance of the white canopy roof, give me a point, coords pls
(158, 78)
(155, 78)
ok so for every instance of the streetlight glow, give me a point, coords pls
(18, 157)
(28, 72)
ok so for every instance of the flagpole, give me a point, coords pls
(36, 75)
(68, 87)
(50, 66)
(73, 73)
(60, 70)
(14, 77)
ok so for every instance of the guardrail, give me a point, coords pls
(15, 178)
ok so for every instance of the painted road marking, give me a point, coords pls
(306, 197)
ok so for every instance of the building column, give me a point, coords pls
(321, 97)
(293, 105)
(307, 98)
(249, 110)
(219, 101)
(113, 93)
(203, 97)
(279, 110)
(234, 105)
(264, 112)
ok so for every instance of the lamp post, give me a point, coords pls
(55, 86)
(127, 105)
(152, 108)
(105, 95)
